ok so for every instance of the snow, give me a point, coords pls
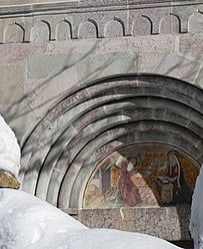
(196, 220)
(9, 149)
(111, 239)
(28, 222)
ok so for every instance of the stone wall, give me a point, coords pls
(46, 43)
(81, 79)
(170, 223)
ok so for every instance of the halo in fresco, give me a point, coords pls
(142, 175)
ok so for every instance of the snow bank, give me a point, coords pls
(114, 239)
(27, 222)
(30, 223)
(196, 220)
(9, 149)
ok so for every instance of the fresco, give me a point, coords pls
(142, 175)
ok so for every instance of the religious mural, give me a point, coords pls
(142, 175)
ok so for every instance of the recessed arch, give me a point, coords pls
(114, 28)
(14, 33)
(110, 141)
(88, 29)
(195, 23)
(41, 31)
(170, 24)
(97, 119)
(142, 25)
(64, 30)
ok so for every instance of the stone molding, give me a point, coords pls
(32, 6)
(59, 21)
(93, 126)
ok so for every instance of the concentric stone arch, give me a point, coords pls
(62, 151)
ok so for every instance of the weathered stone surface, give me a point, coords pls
(172, 65)
(199, 80)
(106, 64)
(136, 18)
(12, 83)
(15, 53)
(17, 2)
(46, 66)
(196, 23)
(52, 55)
(191, 45)
(170, 223)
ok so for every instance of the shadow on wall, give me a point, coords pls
(68, 135)
(100, 119)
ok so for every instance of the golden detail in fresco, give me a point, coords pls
(142, 175)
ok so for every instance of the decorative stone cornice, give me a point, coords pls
(58, 20)
(35, 7)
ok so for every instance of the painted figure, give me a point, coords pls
(128, 191)
(174, 169)
(149, 174)
(181, 192)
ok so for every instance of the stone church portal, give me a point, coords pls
(106, 100)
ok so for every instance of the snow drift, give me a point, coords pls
(28, 222)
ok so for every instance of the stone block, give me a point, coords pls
(114, 28)
(146, 44)
(14, 53)
(14, 34)
(169, 24)
(106, 65)
(169, 223)
(199, 80)
(192, 45)
(196, 23)
(63, 31)
(179, 67)
(141, 26)
(12, 83)
(46, 66)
